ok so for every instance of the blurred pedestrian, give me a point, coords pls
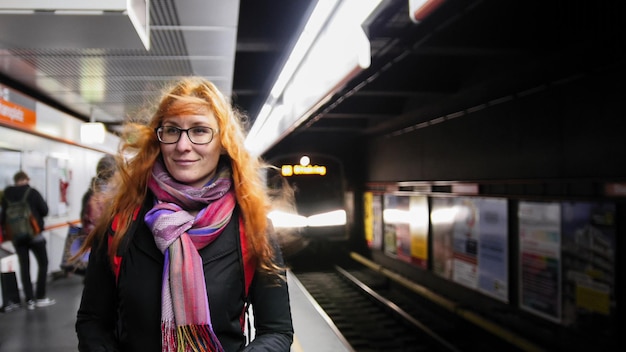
(36, 244)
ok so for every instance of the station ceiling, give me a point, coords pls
(464, 56)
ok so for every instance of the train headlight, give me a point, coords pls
(291, 220)
(283, 219)
(331, 218)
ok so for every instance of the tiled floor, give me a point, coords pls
(49, 329)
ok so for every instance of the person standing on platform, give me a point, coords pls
(36, 244)
(185, 244)
(92, 206)
(93, 202)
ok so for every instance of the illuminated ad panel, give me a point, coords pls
(470, 243)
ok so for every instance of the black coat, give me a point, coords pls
(126, 316)
(38, 205)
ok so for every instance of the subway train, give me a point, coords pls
(476, 157)
(319, 198)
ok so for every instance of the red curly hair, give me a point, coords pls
(140, 149)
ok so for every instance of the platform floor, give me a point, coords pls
(48, 329)
(51, 329)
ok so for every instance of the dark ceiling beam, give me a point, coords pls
(392, 93)
(357, 116)
(254, 46)
(246, 92)
(460, 51)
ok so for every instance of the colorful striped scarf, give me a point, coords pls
(185, 315)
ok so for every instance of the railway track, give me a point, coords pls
(373, 314)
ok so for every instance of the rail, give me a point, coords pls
(452, 306)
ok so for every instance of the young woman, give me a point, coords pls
(185, 243)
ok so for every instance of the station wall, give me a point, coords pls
(60, 167)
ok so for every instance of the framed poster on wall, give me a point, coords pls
(58, 185)
(373, 218)
(442, 220)
(470, 243)
(493, 244)
(405, 219)
(396, 240)
(589, 260)
(418, 229)
(540, 258)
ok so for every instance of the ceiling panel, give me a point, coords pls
(210, 38)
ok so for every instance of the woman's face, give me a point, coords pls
(189, 163)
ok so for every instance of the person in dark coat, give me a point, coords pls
(37, 245)
(184, 246)
(92, 205)
(92, 202)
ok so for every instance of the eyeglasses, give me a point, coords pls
(197, 135)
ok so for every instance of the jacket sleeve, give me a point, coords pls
(97, 314)
(272, 313)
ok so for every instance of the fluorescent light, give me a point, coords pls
(92, 133)
(314, 25)
(316, 22)
(341, 50)
(331, 49)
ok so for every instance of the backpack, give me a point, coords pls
(21, 225)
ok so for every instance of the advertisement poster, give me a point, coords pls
(588, 251)
(493, 254)
(470, 243)
(397, 232)
(418, 224)
(442, 219)
(465, 243)
(377, 205)
(373, 218)
(368, 218)
(389, 228)
(540, 259)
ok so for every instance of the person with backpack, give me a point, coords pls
(184, 246)
(23, 227)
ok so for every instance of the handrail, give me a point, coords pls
(61, 224)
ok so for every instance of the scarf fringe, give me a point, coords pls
(189, 338)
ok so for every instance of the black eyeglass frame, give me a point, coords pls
(180, 133)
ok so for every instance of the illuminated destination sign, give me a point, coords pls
(16, 109)
(291, 170)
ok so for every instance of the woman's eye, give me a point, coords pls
(200, 130)
(171, 130)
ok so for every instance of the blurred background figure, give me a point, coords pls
(36, 244)
(91, 209)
